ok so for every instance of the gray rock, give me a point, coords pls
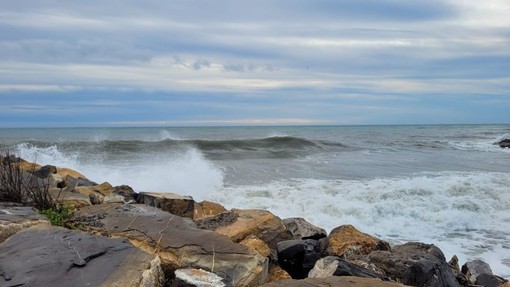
(415, 264)
(15, 217)
(177, 240)
(174, 203)
(301, 229)
(490, 280)
(336, 281)
(473, 269)
(335, 266)
(52, 256)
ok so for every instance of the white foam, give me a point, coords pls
(467, 214)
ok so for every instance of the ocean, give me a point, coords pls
(448, 185)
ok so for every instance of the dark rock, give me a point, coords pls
(52, 256)
(45, 171)
(472, 269)
(337, 281)
(301, 229)
(298, 257)
(125, 191)
(504, 143)
(335, 266)
(490, 280)
(415, 264)
(222, 219)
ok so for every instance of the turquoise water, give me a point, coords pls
(448, 185)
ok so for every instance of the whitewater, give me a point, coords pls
(448, 185)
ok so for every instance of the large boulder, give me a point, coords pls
(337, 281)
(347, 242)
(336, 266)
(177, 240)
(174, 203)
(15, 217)
(240, 223)
(207, 209)
(474, 268)
(302, 229)
(44, 255)
(415, 264)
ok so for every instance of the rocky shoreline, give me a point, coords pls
(119, 237)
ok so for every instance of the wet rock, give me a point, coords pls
(298, 257)
(490, 280)
(206, 209)
(337, 281)
(192, 277)
(415, 264)
(504, 143)
(15, 217)
(335, 266)
(260, 223)
(177, 240)
(473, 269)
(301, 229)
(175, 204)
(44, 255)
(347, 242)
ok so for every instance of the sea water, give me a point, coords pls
(448, 185)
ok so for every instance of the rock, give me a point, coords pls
(490, 280)
(177, 240)
(301, 229)
(454, 263)
(65, 172)
(260, 223)
(337, 281)
(192, 277)
(298, 257)
(69, 200)
(335, 266)
(207, 209)
(415, 264)
(472, 269)
(14, 218)
(45, 171)
(461, 278)
(104, 188)
(346, 242)
(44, 255)
(95, 198)
(256, 244)
(276, 273)
(504, 143)
(175, 204)
(125, 192)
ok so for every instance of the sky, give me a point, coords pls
(266, 62)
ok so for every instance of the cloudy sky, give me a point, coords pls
(155, 63)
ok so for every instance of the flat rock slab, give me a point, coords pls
(45, 255)
(14, 218)
(177, 240)
(337, 281)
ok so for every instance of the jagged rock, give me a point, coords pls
(207, 209)
(504, 143)
(177, 240)
(346, 241)
(192, 277)
(298, 257)
(301, 229)
(335, 266)
(415, 264)
(260, 223)
(473, 269)
(256, 244)
(44, 255)
(276, 273)
(490, 280)
(337, 281)
(14, 218)
(174, 203)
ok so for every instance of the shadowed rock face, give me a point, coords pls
(52, 256)
(176, 240)
(337, 281)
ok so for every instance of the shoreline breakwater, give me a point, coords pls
(116, 236)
